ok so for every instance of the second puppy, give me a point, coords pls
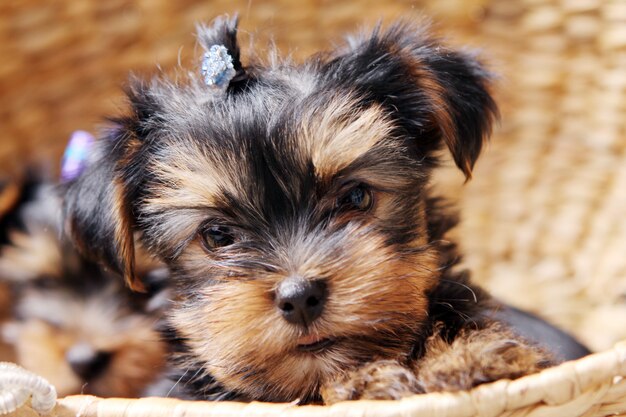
(72, 322)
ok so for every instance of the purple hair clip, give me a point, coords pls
(217, 67)
(76, 153)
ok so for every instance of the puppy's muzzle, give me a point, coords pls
(86, 362)
(301, 301)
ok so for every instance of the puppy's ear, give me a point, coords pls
(98, 216)
(98, 205)
(438, 95)
(464, 109)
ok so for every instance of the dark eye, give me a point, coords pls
(359, 197)
(214, 236)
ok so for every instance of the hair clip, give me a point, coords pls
(76, 153)
(217, 67)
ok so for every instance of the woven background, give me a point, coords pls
(544, 219)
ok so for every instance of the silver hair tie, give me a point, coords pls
(217, 67)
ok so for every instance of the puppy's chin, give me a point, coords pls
(296, 371)
(375, 308)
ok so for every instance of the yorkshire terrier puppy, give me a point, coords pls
(292, 205)
(73, 323)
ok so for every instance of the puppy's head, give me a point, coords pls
(291, 207)
(73, 322)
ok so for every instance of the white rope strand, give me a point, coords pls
(17, 385)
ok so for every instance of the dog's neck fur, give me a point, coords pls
(455, 302)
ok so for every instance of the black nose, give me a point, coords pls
(301, 301)
(86, 361)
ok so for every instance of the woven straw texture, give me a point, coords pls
(63, 62)
(545, 216)
(593, 386)
(543, 220)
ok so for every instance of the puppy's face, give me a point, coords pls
(73, 323)
(85, 343)
(299, 243)
(291, 209)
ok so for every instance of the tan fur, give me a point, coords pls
(9, 196)
(473, 358)
(5, 300)
(6, 351)
(31, 255)
(241, 331)
(476, 357)
(191, 182)
(336, 136)
(379, 380)
(442, 113)
(125, 240)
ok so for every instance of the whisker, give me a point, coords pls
(176, 383)
(467, 287)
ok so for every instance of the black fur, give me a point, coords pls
(10, 218)
(381, 66)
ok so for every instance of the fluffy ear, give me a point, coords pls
(466, 108)
(438, 95)
(98, 215)
(98, 204)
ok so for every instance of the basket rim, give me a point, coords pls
(584, 383)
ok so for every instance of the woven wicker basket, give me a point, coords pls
(592, 386)
(548, 200)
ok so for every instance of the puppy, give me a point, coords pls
(73, 323)
(292, 205)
